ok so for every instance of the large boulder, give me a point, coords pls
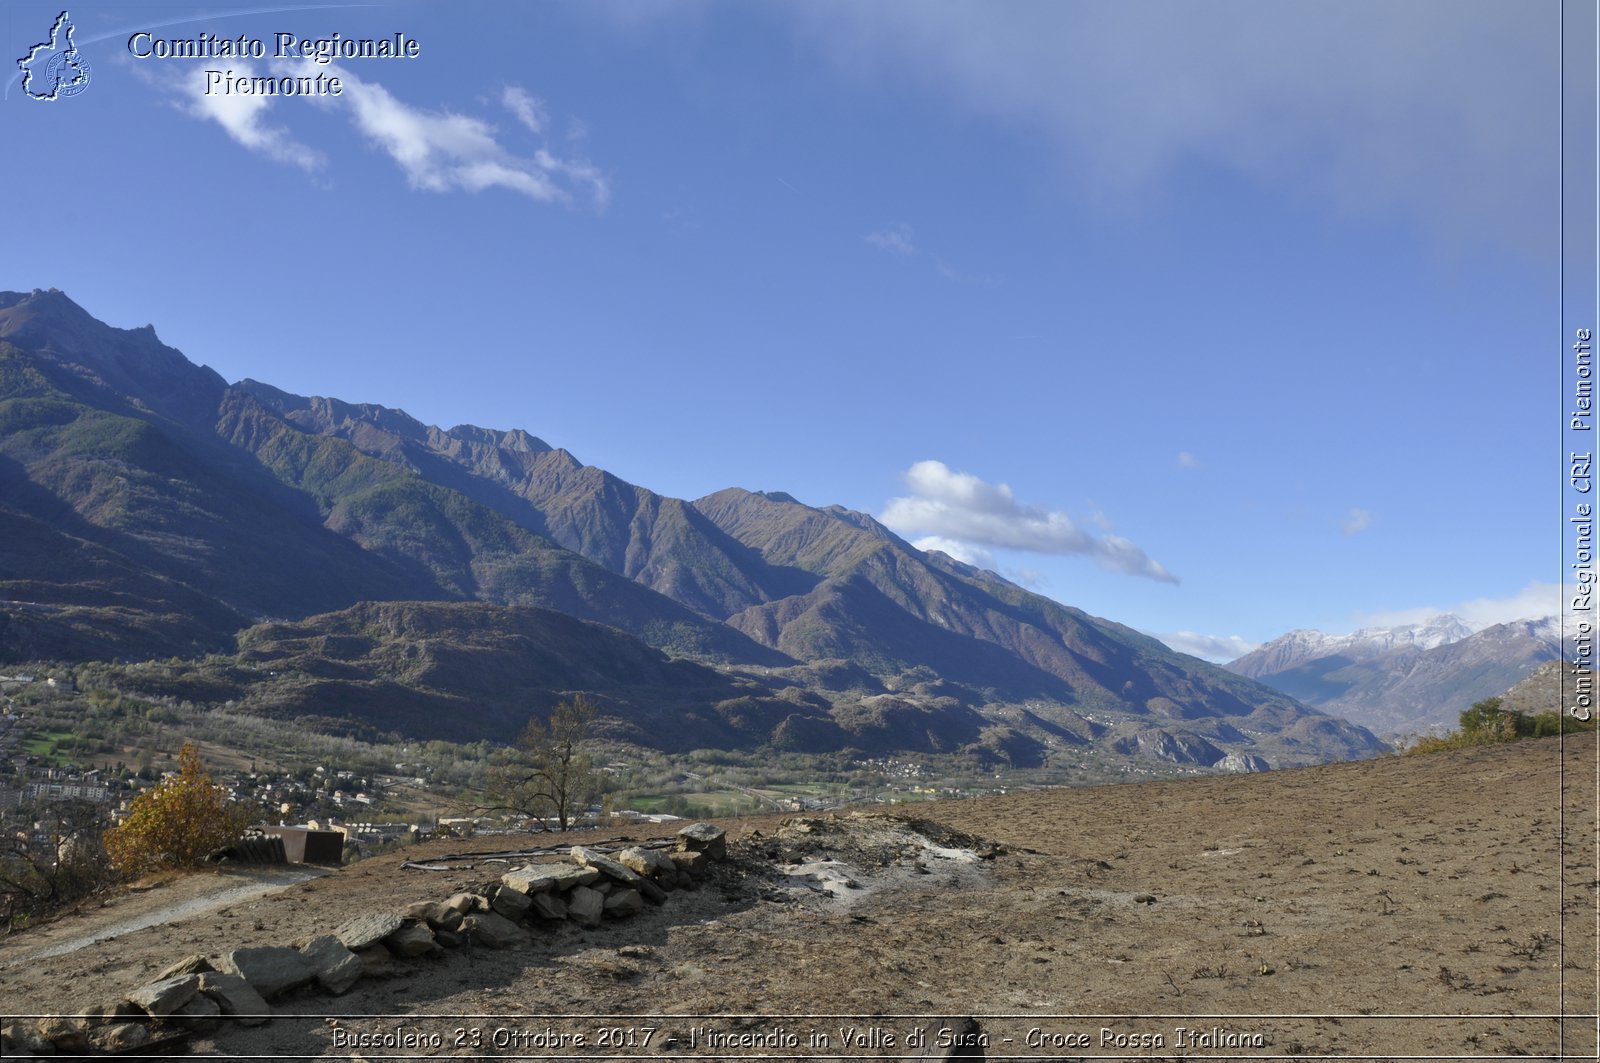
(652, 863)
(122, 1038)
(200, 1014)
(337, 967)
(704, 838)
(690, 862)
(367, 930)
(413, 939)
(439, 915)
(513, 904)
(379, 962)
(236, 997)
(549, 878)
(67, 1034)
(166, 996)
(548, 906)
(584, 906)
(272, 971)
(623, 902)
(495, 931)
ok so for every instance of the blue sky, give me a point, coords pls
(1221, 318)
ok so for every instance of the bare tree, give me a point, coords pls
(50, 856)
(553, 772)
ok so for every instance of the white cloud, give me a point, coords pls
(897, 239)
(966, 553)
(1217, 648)
(438, 151)
(1187, 460)
(244, 118)
(959, 506)
(528, 108)
(1437, 110)
(1533, 602)
(441, 152)
(1356, 521)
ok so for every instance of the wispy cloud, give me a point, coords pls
(440, 151)
(1187, 460)
(527, 107)
(436, 150)
(961, 507)
(243, 117)
(1218, 648)
(1356, 521)
(897, 239)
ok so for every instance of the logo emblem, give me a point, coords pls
(55, 69)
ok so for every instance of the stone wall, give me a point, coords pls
(196, 994)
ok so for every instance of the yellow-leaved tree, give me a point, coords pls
(177, 824)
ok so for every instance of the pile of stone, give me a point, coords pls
(197, 994)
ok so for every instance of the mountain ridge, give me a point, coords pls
(283, 508)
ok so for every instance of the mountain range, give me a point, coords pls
(314, 558)
(1408, 679)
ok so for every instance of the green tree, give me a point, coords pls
(175, 825)
(552, 772)
(1489, 721)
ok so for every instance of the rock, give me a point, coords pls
(336, 966)
(511, 903)
(201, 1013)
(235, 997)
(124, 1037)
(624, 902)
(549, 878)
(449, 939)
(606, 866)
(495, 931)
(549, 906)
(113, 1013)
(411, 939)
(196, 964)
(651, 863)
(272, 971)
(690, 861)
(440, 915)
(585, 905)
(378, 962)
(68, 1035)
(462, 903)
(166, 996)
(25, 1037)
(367, 930)
(704, 838)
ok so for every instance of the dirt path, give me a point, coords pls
(171, 901)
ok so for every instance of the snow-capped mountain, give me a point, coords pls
(1408, 679)
(1305, 644)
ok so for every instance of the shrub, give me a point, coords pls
(175, 825)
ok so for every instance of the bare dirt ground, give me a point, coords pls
(1318, 912)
